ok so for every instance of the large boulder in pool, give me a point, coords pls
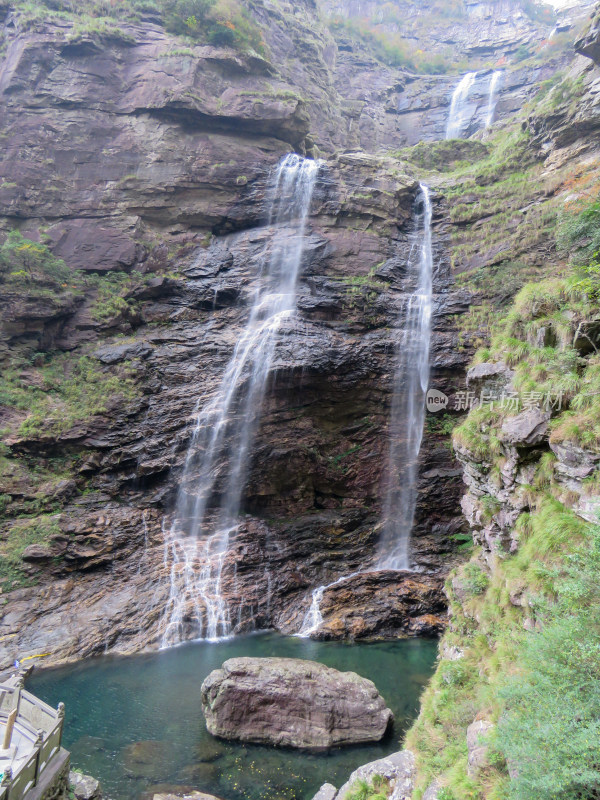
(292, 703)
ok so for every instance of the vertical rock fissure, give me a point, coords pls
(210, 493)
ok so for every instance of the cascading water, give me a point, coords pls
(210, 494)
(408, 415)
(313, 617)
(409, 399)
(495, 84)
(457, 118)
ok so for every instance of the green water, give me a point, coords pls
(136, 723)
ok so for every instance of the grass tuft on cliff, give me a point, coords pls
(13, 542)
(378, 788)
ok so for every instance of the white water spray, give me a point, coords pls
(495, 85)
(313, 618)
(458, 115)
(409, 399)
(210, 493)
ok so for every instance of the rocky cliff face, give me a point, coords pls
(128, 153)
(496, 28)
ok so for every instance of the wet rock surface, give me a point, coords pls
(378, 605)
(314, 488)
(293, 703)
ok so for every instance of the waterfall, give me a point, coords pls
(409, 399)
(457, 118)
(313, 617)
(408, 414)
(495, 84)
(210, 494)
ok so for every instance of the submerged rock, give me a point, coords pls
(146, 759)
(294, 703)
(326, 792)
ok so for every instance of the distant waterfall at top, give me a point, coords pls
(409, 399)
(210, 493)
(457, 118)
(495, 84)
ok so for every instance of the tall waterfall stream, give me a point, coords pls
(208, 504)
(457, 118)
(409, 398)
(408, 413)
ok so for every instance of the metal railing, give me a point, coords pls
(37, 722)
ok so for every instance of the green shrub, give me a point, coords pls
(186, 16)
(550, 732)
(578, 232)
(75, 390)
(25, 263)
(474, 579)
(110, 300)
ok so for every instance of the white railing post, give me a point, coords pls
(61, 717)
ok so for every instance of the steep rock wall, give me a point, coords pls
(126, 154)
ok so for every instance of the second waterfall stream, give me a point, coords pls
(409, 398)
(408, 412)
(210, 495)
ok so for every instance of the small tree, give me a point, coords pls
(25, 261)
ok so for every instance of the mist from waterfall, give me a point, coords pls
(495, 84)
(215, 472)
(409, 397)
(458, 114)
